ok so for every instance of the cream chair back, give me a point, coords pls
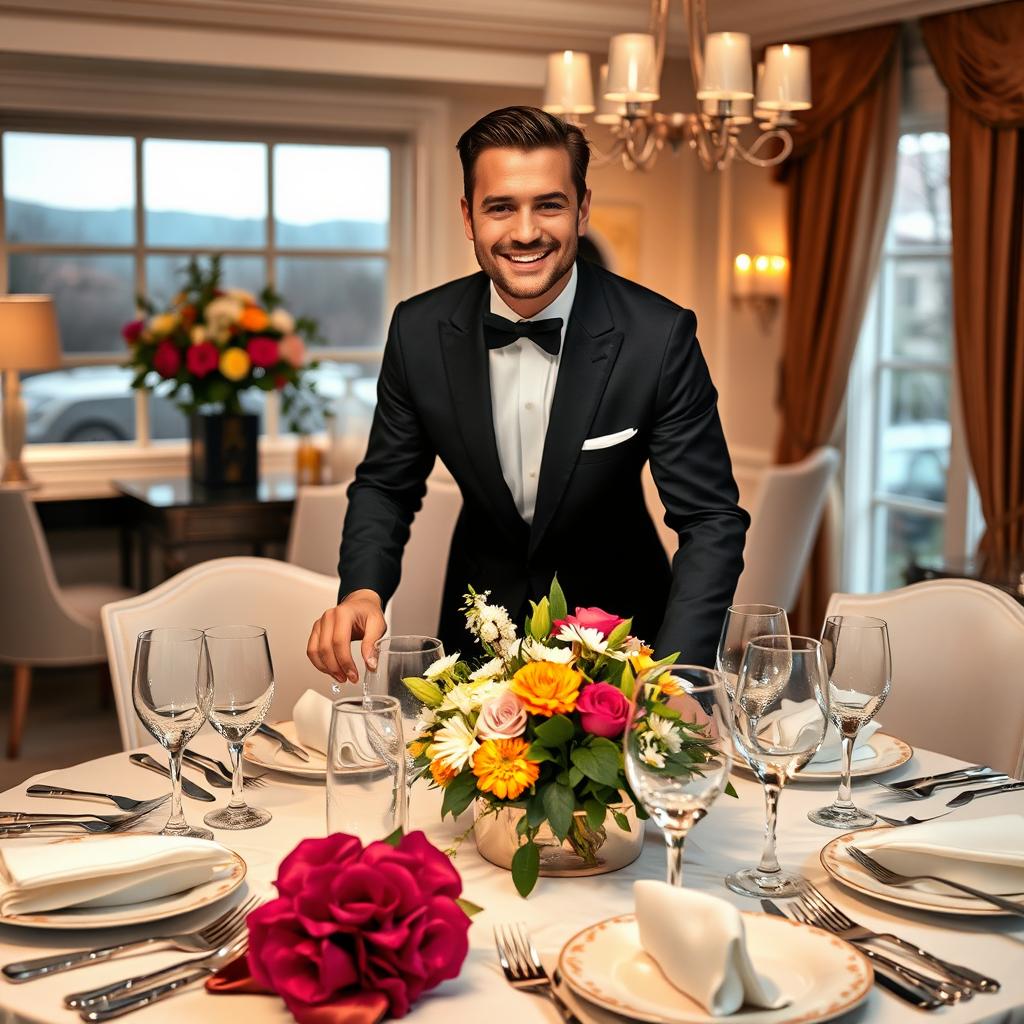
(259, 591)
(957, 668)
(315, 533)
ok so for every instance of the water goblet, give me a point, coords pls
(779, 715)
(172, 690)
(243, 689)
(673, 706)
(741, 624)
(859, 663)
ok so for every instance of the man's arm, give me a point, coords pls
(691, 466)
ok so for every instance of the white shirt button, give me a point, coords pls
(530, 406)
(533, 474)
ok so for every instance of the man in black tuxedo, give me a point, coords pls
(544, 383)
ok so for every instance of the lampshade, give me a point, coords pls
(608, 111)
(568, 88)
(727, 67)
(632, 68)
(29, 339)
(787, 78)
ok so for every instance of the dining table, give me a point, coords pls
(728, 838)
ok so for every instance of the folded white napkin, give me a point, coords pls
(312, 718)
(105, 871)
(699, 943)
(794, 718)
(986, 853)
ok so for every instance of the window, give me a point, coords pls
(902, 427)
(95, 220)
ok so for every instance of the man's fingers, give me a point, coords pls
(313, 647)
(340, 645)
(325, 647)
(373, 630)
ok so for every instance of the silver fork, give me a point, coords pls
(217, 774)
(899, 822)
(887, 877)
(23, 823)
(126, 803)
(850, 930)
(200, 941)
(923, 792)
(523, 969)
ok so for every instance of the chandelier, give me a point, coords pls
(729, 98)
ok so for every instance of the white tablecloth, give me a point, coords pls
(730, 837)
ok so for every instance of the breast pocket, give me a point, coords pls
(609, 448)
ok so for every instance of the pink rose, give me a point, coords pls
(167, 359)
(131, 331)
(352, 919)
(604, 710)
(590, 618)
(293, 350)
(202, 359)
(262, 351)
(503, 718)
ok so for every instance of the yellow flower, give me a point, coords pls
(546, 688)
(441, 773)
(502, 768)
(234, 363)
(643, 661)
(163, 323)
(253, 319)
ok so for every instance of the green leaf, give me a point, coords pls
(621, 820)
(619, 633)
(526, 868)
(559, 803)
(468, 907)
(540, 620)
(555, 731)
(535, 812)
(539, 754)
(559, 609)
(424, 690)
(730, 790)
(395, 838)
(575, 776)
(627, 680)
(458, 794)
(599, 761)
(595, 813)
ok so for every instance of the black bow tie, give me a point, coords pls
(545, 334)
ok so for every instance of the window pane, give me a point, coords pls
(86, 403)
(71, 189)
(167, 421)
(345, 296)
(166, 274)
(94, 295)
(909, 535)
(332, 197)
(205, 193)
(922, 313)
(921, 204)
(349, 393)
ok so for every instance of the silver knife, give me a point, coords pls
(883, 974)
(924, 780)
(962, 799)
(188, 787)
(286, 744)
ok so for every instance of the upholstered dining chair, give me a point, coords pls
(42, 623)
(957, 668)
(315, 531)
(283, 598)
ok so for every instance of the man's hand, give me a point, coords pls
(358, 617)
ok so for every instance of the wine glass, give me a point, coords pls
(243, 688)
(780, 714)
(172, 689)
(742, 623)
(859, 663)
(674, 707)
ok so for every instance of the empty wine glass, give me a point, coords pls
(172, 690)
(779, 714)
(675, 708)
(859, 663)
(741, 624)
(243, 688)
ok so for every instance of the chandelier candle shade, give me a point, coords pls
(633, 70)
(727, 74)
(569, 89)
(786, 84)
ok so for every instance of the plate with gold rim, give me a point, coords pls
(889, 752)
(605, 965)
(265, 752)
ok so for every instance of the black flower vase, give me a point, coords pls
(225, 450)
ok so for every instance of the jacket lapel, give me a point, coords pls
(591, 347)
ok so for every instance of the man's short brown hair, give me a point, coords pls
(523, 128)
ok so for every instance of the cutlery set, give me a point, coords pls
(523, 969)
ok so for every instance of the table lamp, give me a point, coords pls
(29, 340)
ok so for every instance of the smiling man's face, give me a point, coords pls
(524, 223)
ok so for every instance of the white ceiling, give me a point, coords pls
(539, 25)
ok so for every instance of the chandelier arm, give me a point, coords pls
(751, 157)
(641, 153)
(659, 29)
(696, 14)
(602, 158)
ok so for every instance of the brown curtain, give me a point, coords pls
(978, 54)
(840, 180)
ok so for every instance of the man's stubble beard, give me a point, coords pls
(491, 266)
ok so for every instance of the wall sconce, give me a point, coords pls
(760, 282)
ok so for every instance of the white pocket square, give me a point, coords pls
(608, 440)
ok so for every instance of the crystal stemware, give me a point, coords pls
(741, 624)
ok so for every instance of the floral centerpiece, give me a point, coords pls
(537, 726)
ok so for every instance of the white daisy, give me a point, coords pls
(649, 752)
(666, 732)
(454, 744)
(489, 670)
(442, 666)
(534, 650)
(459, 698)
(592, 640)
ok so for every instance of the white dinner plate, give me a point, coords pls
(136, 913)
(889, 753)
(844, 869)
(607, 966)
(267, 753)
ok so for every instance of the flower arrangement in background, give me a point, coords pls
(538, 725)
(214, 342)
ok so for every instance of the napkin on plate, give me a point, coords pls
(699, 943)
(793, 717)
(986, 853)
(104, 871)
(312, 718)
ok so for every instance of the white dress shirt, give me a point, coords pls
(523, 379)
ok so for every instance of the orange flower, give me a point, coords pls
(643, 661)
(441, 773)
(418, 745)
(502, 768)
(546, 688)
(253, 319)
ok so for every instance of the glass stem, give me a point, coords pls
(844, 799)
(237, 778)
(769, 863)
(674, 847)
(176, 822)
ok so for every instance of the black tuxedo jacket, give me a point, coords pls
(630, 360)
